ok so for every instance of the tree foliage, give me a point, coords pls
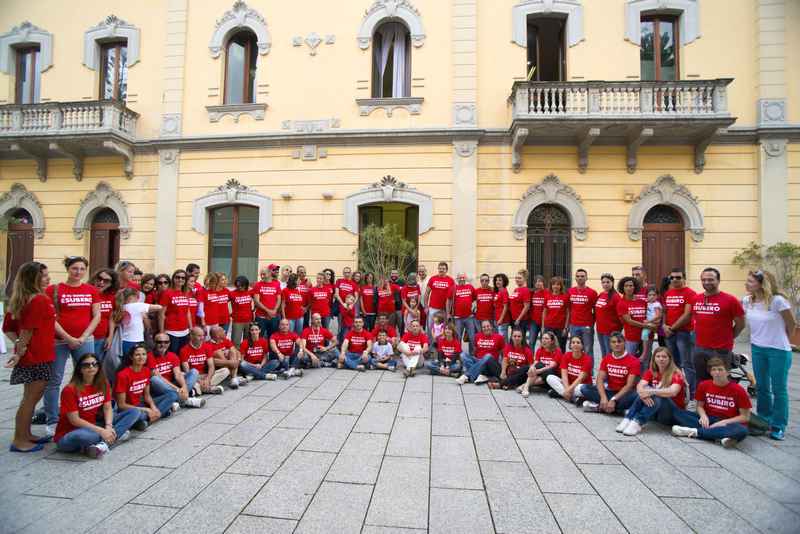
(383, 248)
(781, 259)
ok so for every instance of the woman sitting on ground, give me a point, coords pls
(576, 369)
(485, 363)
(132, 390)
(662, 391)
(517, 359)
(413, 348)
(78, 428)
(256, 361)
(614, 389)
(448, 351)
(546, 362)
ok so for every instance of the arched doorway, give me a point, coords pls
(549, 243)
(233, 241)
(19, 244)
(104, 243)
(404, 217)
(663, 247)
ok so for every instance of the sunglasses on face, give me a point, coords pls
(676, 277)
(163, 282)
(179, 278)
(162, 342)
(104, 280)
(87, 365)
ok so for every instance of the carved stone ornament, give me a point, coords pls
(19, 197)
(230, 193)
(240, 16)
(256, 111)
(551, 191)
(313, 40)
(104, 196)
(387, 185)
(413, 105)
(666, 191)
(774, 148)
(25, 34)
(465, 148)
(388, 189)
(571, 9)
(311, 126)
(112, 27)
(168, 156)
(386, 10)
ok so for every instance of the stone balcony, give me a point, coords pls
(619, 113)
(71, 130)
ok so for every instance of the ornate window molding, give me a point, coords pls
(667, 191)
(573, 9)
(109, 29)
(102, 197)
(551, 191)
(256, 111)
(26, 34)
(19, 197)
(239, 17)
(388, 190)
(412, 104)
(387, 10)
(688, 11)
(231, 193)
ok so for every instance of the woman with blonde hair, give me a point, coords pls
(771, 320)
(216, 302)
(661, 391)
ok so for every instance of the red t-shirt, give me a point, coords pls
(347, 315)
(548, 357)
(163, 365)
(346, 287)
(414, 341)
(316, 337)
(654, 381)
(293, 301)
(517, 299)
(254, 353)
(517, 357)
(385, 300)
(723, 402)
(357, 341)
(75, 306)
(675, 301)
(194, 304)
(197, 358)
(637, 309)
(581, 304)
(215, 306)
(320, 298)
(556, 306)
(224, 343)
(87, 403)
(713, 320)
(605, 313)
(285, 342)
(463, 298)
(484, 304)
(106, 307)
(368, 299)
(492, 344)
(618, 369)
(500, 301)
(450, 349)
(268, 293)
(242, 306)
(406, 292)
(132, 383)
(441, 290)
(389, 329)
(537, 305)
(151, 297)
(39, 315)
(176, 304)
(576, 366)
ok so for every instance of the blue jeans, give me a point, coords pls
(330, 356)
(353, 360)
(692, 420)
(662, 411)
(605, 344)
(267, 326)
(296, 325)
(680, 345)
(163, 402)
(590, 393)
(435, 366)
(771, 367)
(586, 333)
(159, 386)
(474, 367)
(466, 324)
(633, 347)
(260, 372)
(53, 388)
(533, 334)
(176, 343)
(502, 329)
(287, 362)
(81, 438)
(391, 362)
(99, 349)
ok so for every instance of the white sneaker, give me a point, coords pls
(632, 429)
(243, 380)
(463, 379)
(250, 377)
(684, 431)
(728, 443)
(97, 450)
(217, 390)
(175, 407)
(50, 430)
(124, 437)
(234, 383)
(592, 407)
(622, 424)
(195, 402)
(270, 376)
(482, 379)
(291, 372)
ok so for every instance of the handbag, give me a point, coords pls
(113, 357)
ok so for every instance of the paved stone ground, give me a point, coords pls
(341, 451)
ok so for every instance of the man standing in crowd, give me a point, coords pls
(640, 274)
(678, 301)
(267, 300)
(581, 312)
(439, 296)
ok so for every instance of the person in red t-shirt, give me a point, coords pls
(284, 345)
(382, 324)
(607, 319)
(614, 389)
(226, 356)
(293, 305)
(79, 428)
(386, 300)
(241, 308)
(484, 306)
(576, 369)
(107, 284)
(502, 315)
(197, 355)
(678, 300)
(485, 363)
(318, 345)
(319, 298)
(538, 294)
(662, 391)
(216, 302)
(30, 324)
(581, 311)
(344, 286)
(368, 295)
(555, 316)
(126, 273)
(166, 374)
(132, 390)
(723, 409)
(517, 360)
(413, 348)
(718, 319)
(448, 354)
(438, 296)
(519, 302)
(267, 300)
(640, 275)
(356, 347)
(547, 362)
(633, 313)
(411, 290)
(463, 305)
(257, 362)
(176, 316)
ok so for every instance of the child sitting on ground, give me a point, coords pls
(382, 355)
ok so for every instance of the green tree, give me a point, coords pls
(781, 259)
(383, 248)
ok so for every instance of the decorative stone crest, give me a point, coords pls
(573, 9)
(387, 186)
(25, 34)
(168, 156)
(388, 189)
(110, 27)
(313, 40)
(311, 126)
(104, 196)
(231, 192)
(774, 148)
(551, 191)
(384, 10)
(465, 148)
(666, 191)
(19, 197)
(240, 16)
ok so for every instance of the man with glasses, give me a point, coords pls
(197, 354)
(581, 312)
(166, 370)
(267, 300)
(678, 325)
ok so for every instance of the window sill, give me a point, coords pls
(411, 104)
(256, 111)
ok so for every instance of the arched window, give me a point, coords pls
(19, 245)
(663, 246)
(114, 70)
(391, 65)
(104, 244)
(549, 243)
(241, 55)
(233, 241)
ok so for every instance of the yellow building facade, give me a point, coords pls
(502, 134)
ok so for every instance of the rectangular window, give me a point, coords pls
(233, 241)
(658, 57)
(114, 71)
(240, 69)
(27, 75)
(546, 51)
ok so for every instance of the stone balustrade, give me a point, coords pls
(67, 118)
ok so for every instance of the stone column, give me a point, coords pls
(465, 63)
(773, 191)
(465, 207)
(167, 210)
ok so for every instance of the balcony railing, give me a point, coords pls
(67, 118)
(687, 99)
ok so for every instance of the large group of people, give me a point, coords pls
(147, 345)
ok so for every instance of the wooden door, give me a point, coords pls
(549, 243)
(104, 246)
(19, 250)
(663, 246)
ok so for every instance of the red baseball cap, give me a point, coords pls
(273, 266)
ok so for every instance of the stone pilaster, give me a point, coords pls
(465, 207)
(773, 191)
(167, 210)
(771, 28)
(174, 65)
(465, 63)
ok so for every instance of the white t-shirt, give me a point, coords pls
(133, 322)
(767, 328)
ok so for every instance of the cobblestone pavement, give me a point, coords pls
(341, 451)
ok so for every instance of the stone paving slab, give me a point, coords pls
(575, 513)
(401, 494)
(342, 505)
(454, 463)
(473, 516)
